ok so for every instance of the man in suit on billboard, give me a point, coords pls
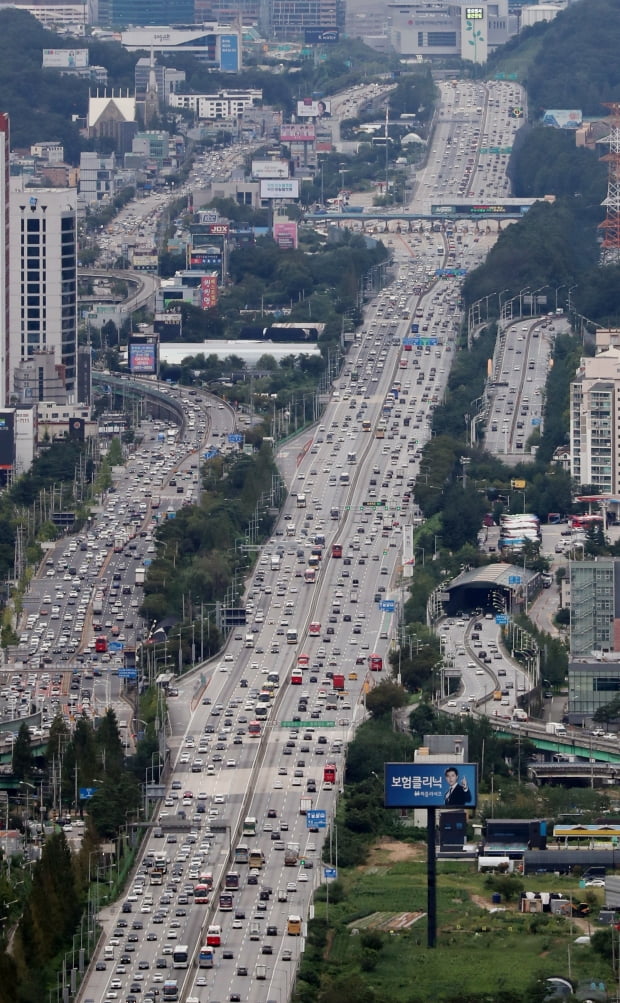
(458, 793)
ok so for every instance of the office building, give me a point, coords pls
(122, 13)
(39, 378)
(215, 45)
(97, 178)
(289, 19)
(5, 345)
(592, 683)
(432, 30)
(43, 299)
(594, 422)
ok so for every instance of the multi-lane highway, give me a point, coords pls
(516, 390)
(350, 482)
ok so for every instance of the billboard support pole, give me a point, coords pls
(431, 878)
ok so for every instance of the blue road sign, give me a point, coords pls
(514, 579)
(316, 818)
(210, 453)
(235, 437)
(127, 674)
(147, 562)
(536, 421)
(387, 605)
(330, 872)
(116, 646)
(87, 792)
(501, 618)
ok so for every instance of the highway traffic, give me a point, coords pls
(265, 742)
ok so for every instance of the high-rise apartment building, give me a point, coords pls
(5, 354)
(43, 299)
(595, 422)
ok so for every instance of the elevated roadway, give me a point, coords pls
(146, 285)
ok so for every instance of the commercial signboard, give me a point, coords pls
(309, 108)
(7, 439)
(321, 36)
(229, 53)
(142, 357)
(65, 59)
(270, 169)
(145, 261)
(208, 291)
(273, 189)
(285, 234)
(293, 132)
(430, 785)
(563, 118)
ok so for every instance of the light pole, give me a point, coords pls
(525, 289)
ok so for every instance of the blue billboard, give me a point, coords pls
(430, 785)
(229, 53)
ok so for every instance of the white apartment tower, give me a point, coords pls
(595, 422)
(5, 356)
(43, 298)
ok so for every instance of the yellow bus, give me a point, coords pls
(293, 926)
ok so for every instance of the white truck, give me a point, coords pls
(275, 562)
(140, 572)
(555, 728)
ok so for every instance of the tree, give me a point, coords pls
(115, 453)
(22, 753)
(385, 698)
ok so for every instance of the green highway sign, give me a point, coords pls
(307, 724)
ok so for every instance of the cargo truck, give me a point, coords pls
(140, 572)
(275, 562)
(291, 855)
(555, 728)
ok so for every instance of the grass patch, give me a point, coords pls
(477, 953)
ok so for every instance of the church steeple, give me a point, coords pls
(151, 100)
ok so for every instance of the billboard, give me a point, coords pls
(208, 291)
(309, 108)
(563, 118)
(146, 261)
(430, 785)
(229, 53)
(321, 36)
(285, 234)
(142, 357)
(65, 59)
(297, 133)
(7, 439)
(270, 168)
(273, 189)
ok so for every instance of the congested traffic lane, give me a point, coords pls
(362, 397)
(88, 587)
